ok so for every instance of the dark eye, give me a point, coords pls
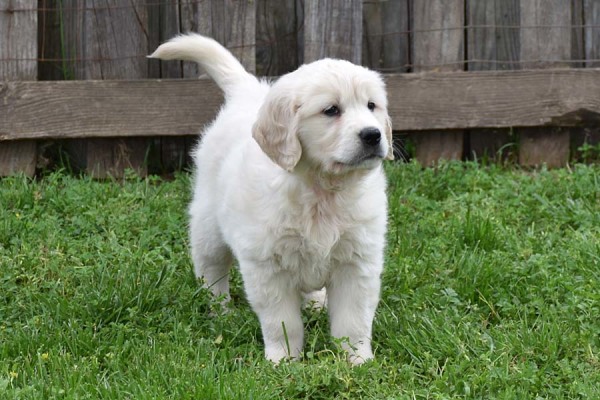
(332, 111)
(371, 105)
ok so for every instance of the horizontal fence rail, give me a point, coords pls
(418, 102)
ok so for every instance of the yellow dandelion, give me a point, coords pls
(13, 374)
(45, 356)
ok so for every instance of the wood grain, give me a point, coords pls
(104, 40)
(491, 45)
(592, 33)
(386, 44)
(438, 45)
(333, 28)
(276, 39)
(18, 50)
(426, 101)
(231, 23)
(546, 42)
(492, 41)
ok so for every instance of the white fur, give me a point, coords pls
(286, 190)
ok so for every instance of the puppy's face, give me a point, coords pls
(331, 113)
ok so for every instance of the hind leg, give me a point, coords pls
(211, 256)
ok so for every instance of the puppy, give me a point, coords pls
(289, 181)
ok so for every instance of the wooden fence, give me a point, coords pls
(465, 77)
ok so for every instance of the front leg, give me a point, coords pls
(353, 295)
(277, 303)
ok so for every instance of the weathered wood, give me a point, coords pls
(438, 46)
(492, 40)
(72, 109)
(276, 39)
(18, 157)
(105, 40)
(591, 51)
(435, 101)
(545, 33)
(545, 42)
(231, 23)
(18, 47)
(18, 53)
(163, 24)
(333, 28)
(592, 33)
(544, 146)
(167, 153)
(491, 45)
(386, 44)
(577, 33)
(116, 155)
(431, 147)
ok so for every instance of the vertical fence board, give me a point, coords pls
(438, 45)
(103, 40)
(592, 32)
(386, 42)
(333, 28)
(167, 153)
(276, 39)
(551, 41)
(115, 42)
(577, 33)
(231, 23)
(18, 46)
(591, 52)
(493, 45)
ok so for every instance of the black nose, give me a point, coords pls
(370, 136)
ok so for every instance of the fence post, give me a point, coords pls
(545, 36)
(438, 45)
(101, 40)
(591, 34)
(18, 48)
(491, 38)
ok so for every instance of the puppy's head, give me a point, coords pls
(331, 114)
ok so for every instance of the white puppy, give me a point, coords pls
(289, 181)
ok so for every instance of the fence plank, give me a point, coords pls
(231, 23)
(545, 35)
(592, 33)
(333, 28)
(493, 44)
(18, 49)
(276, 37)
(386, 44)
(167, 153)
(438, 46)
(434, 101)
(105, 40)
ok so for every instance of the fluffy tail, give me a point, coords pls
(216, 60)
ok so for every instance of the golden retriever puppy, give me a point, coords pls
(289, 181)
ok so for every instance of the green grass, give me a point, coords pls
(491, 290)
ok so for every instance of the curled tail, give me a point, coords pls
(216, 60)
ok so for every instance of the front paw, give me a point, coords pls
(359, 353)
(276, 354)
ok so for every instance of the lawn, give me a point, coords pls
(491, 290)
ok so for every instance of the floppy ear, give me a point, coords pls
(276, 130)
(390, 139)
